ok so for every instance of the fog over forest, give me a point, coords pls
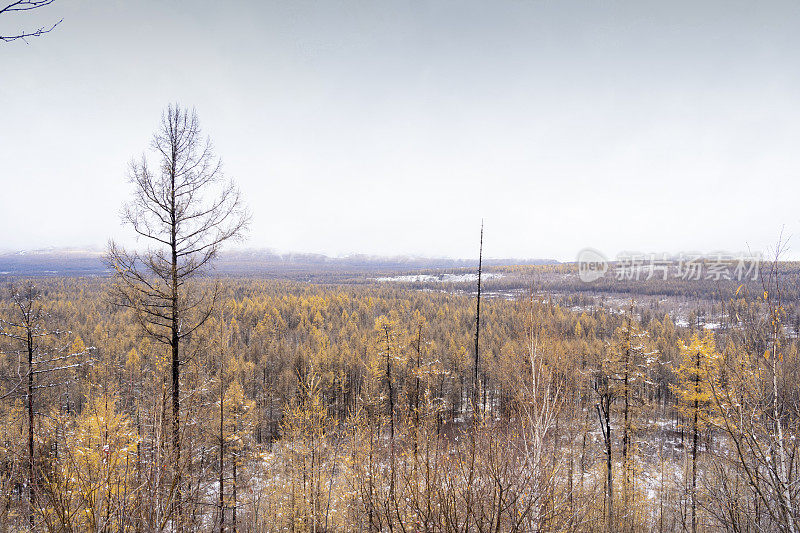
(389, 267)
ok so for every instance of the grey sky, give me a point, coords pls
(393, 127)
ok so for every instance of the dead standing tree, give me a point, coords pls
(476, 391)
(184, 209)
(28, 328)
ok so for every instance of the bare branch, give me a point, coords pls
(27, 5)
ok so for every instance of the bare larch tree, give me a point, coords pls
(184, 209)
(476, 391)
(26, 5)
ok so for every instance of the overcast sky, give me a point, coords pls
(393, 127)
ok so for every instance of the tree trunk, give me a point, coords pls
(221, 457)
(475, 383)
(625, 441)
(174, 340)
(694, 471)
(610, 479)
(390, 390)
(31, 459)
(604, 414)
(694, 444)
(235, 503)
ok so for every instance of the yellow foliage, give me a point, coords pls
(95, 468)
(77, 346)
(697, 375)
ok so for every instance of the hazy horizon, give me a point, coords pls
(90, 249)
(392, 129)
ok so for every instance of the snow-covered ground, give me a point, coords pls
(439, 278)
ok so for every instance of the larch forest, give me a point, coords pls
(162, 396)
(179, 381)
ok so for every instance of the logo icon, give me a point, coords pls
(592, 265)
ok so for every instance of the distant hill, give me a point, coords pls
(77, 262)
(62, 262)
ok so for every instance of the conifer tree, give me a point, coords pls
(184, 210)
(697, 375)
